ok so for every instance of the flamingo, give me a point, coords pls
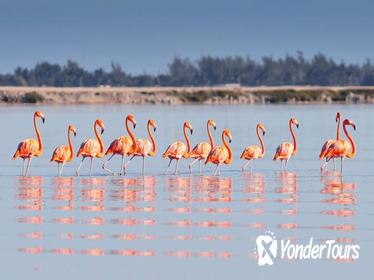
(254, 152)
(30, 147)
(286, 149)
(92, 147)
(201, 151)
(221, 154)
(63, 154)
(343, 148)
(328, 143)
(144, 147)
(123, 145)
(178, 149)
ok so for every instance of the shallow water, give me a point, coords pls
(183, 226)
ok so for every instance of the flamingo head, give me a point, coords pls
(100, 123)
(152, 123)
(131, 119)
(349, 122)
(262, 127)
(189, 126)
(72, 129)
(211, 122)
(337, 117)
(295, 122)
(39, 114)
(227, 133)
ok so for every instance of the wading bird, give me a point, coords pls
(29, 148)
(144, 147)
(178, 149)
(328, 143)
(342, 148)
(254, 152)
(286, 149)
(221, 154)
(123, 146)
(92, 148)
(63, 154)
(201, 151)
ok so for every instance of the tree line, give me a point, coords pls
(206, 71)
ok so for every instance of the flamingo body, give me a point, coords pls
(252, 152)
(218, 155)
(201, 150)
(325, 148)
(120, 146)
(143, 147)
(27, 148)
(61, 154)
(177, 150)
(284, 151)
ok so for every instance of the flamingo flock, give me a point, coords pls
(207, 152)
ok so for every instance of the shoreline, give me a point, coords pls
(218, 95)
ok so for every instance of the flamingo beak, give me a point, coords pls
(354, 126)
(134, 125)
(215, 128)
(230, 140)
(43, 119)
(191, 131)
(154, 129)
(263, 133)
(102, 131)
(297, 125)
(75, 134)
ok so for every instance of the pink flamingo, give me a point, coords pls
(221, 154)
(178, 149)
(29, 148)
(328, 143)
(286, 149)
(201, 151)
(254, 152)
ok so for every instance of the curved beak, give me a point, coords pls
(134, 125)
(263, 133)
(102, 130)
(297, 125)
(75, 134)
(215, 128)
(43, 119)
(354, 126)
(230, 140)
(191, 131)
(154, 129)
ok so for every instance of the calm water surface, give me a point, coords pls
(183, 227)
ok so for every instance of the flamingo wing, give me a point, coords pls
(284, 151)
(143, 147)
(61, 154)
(89, 148)
(26, 148)
(218, 155)
(201, 150)
(338, 149)
(325, 148)
(252, 152)
(175, 150)
(121, 145)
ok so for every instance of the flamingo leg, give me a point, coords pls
(105, 165)
(323, 166)
(62, 167)
(143, 166)
(251, 165)
(176, 167)
(127, 163)
(245, 165)
(58, 169)
(200, 166)
(341, 165)
(123, 166)
(286, 164)
(217, 171)
(281, 164)
(91, 165)
(334, 163)
(192, 163)
(28, 165)
(23, 167)
(79, 166)
(167, 169)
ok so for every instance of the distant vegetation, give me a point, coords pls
(206, 71)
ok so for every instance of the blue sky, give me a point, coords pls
(143, 36)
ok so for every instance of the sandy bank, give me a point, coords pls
(187, 95)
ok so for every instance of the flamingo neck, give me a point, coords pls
(227, 146)
(338, 130)
(187, 139)
(261, 142)
(131, 135)
(98, 137)
(294, 140)
(38, 136)
(154, 146)
(353, 144)
(210, 137)
(70, 146)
